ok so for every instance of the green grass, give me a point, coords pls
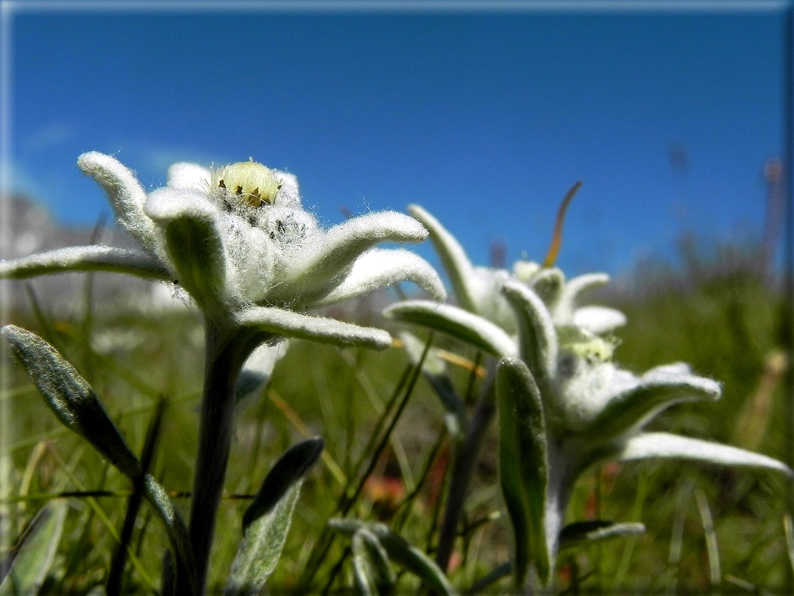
(721, 319)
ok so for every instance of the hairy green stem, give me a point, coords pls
(463, 470)
(226, 351)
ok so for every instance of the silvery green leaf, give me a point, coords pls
(548, 285)
(35, 552)
(374, 575)
(457, 265)
(434, 370)
(666, 445)
(195, 244)
(76, 405)
(378, 268)
(267, 520)
(454, 321)
(340, 246)
(85, 258)
(400, 551)
(598, 319)
(537, 337)
(584, 533)
(523, 467)
(629, 407)
(569, 298)
(126, 195)
(70, 397)
(320, 329)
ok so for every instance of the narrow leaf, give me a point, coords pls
(70, 397)
(33, 556)
(400, 551)
(290, 468)
(76, 405)
(585, 533)
(460, 324)
(523, 467)
(374, 574)
(267, 520)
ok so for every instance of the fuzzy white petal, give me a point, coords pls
(453, 257)
(126, 195)
(320, 329)
(570, 295)
(666, 445)
(378, 268)
(455, 321)
(189, 176)
(326, 257)
(598, 319)
(85, 258)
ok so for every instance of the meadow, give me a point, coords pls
(709, 529)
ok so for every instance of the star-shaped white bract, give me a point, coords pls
(245, 265)
(563, 404)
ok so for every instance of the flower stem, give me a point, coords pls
(463, 470)
(226, 351)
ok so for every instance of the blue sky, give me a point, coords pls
(484, 117)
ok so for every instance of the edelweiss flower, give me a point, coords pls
(240, 243)
(563, 404)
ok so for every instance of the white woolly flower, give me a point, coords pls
(240, 243)
(564, 405)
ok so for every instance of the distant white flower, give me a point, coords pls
(240, 243)
(563, 404)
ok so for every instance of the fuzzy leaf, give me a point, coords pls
(537, 337)
(76, 405)
(378, 268)
(374, 574)
(523, 466)
(586, 532)
(33, 556)
(85, 258)
(288, 470)
(454, 321)
(70, 397)
(287, 323)
(195, 244)
(267, 520)
(666, 445)
(457, 265)
(400, 551)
